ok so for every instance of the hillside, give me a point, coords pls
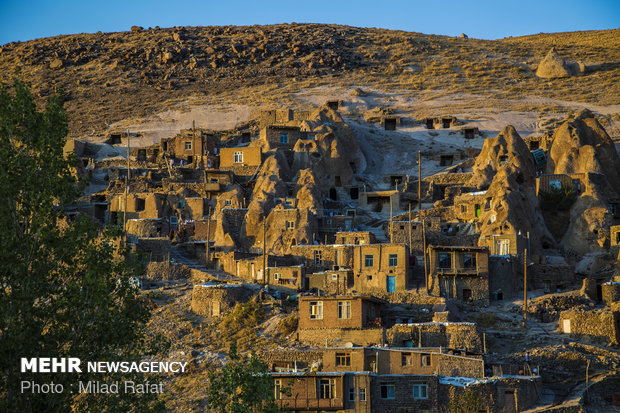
(108, 77)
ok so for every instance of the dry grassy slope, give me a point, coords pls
(113, 76)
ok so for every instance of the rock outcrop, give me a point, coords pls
(505, 168)
(507, 151)
(554, 66)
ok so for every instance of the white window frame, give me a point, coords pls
(290, 225)
(316, 310)
(188, 145)
(344, 310)
(238, 157)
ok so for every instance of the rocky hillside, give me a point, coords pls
(110, 76)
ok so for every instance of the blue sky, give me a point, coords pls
(25, 20)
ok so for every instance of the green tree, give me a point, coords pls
(242, 386)
(64, 287)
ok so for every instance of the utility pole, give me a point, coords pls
(208, 233)
(265, 280)
(391, 229)
(419, 179)
(194, 160)
(525, 287)
(410, 228)
(424, 254)
(127, 185)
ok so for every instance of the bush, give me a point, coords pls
(557, 199)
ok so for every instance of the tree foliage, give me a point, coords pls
(64, 286)
(558, 198)
(242, 386)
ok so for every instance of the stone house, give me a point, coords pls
(602, 324)
(380, 201)
(322, 257)
(287, 276)
(281, 136)
(404, 361)
(448, 334)
(282, 117)
(190, 146)
(504, 244)
(549, 182)
(383, 267)
(243, 161)
(343, 318)
(334, 281)
(355, 238)
(213, 300)
(460, 273)
(469, 207)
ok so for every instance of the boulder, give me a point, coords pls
(554, 66)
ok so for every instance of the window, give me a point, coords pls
(140, 204)
(227, 202)
(181, 204)
(503, 160)
(488, 203)
(393, 260)
(406, 359)
(420, 391)
(278, 389)
(311, 137)
(316, 310)
(343, 359)
(238, 157)
(362, 393)
(188, 145)
(327, 388)
(344, 309)
(445, 260)
(387, 391)
(369, 278)
(555, 184)
(284, 138)
(469, 260)
(463, 209)
(369, 260)
(318, 257)
(352, 394)
(290, 224)
(277, 276)
(425, 360)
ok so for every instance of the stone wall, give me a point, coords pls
(611, 292)
(599, 324)
(338, 336)
(449, 335)
(212, 300)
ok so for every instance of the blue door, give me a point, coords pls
(391, 283)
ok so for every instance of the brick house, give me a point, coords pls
(281, 136)
(459, 272)
(248, 156)
(383, 267)
(341, 318)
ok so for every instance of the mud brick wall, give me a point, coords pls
(451, 335)
(227, 297)
(611, 292)
(359, 337)
(403, 394)
(595, 323)
(158, 249)
(498, 395)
